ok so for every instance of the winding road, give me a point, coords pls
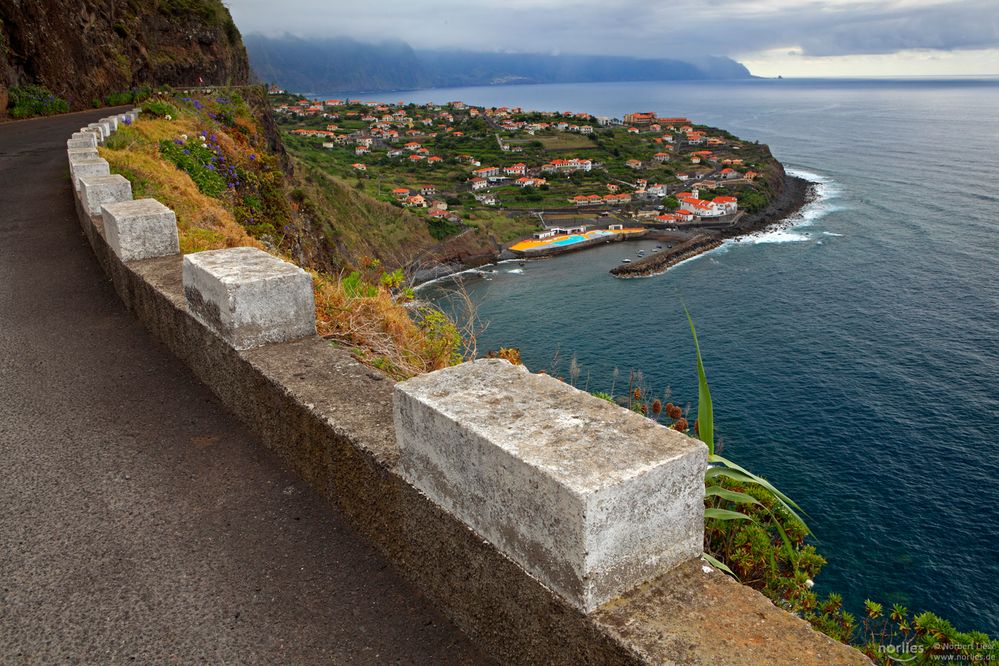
(138, 519)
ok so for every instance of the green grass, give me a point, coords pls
(565, 141)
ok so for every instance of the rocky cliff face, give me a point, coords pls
(82, 50)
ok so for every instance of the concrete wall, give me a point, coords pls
(331, 420)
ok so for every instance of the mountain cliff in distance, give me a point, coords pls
(345, 65)
(82, 50)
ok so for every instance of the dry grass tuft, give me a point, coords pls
(402, 341)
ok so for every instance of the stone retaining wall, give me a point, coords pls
(550, 526)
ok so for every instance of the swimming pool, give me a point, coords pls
(579, 238)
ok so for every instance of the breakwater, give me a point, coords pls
(661, 261)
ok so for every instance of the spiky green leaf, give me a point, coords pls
(730, 495)
(717, 564)
(725, 514)
(705, 413)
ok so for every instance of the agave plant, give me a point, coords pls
(720, 468)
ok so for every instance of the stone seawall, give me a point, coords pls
(661, 261)
(478, 535)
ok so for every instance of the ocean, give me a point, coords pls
(853, 356)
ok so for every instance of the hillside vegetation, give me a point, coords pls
(208, 156)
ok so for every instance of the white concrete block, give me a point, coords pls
(78, 154)
(112, 121)
(106, 127)
(82, 139)
(79, 168)
(589, 498)
(95, 131)
(140, 229)
(96, 191)
(249, 297)
(98, 129)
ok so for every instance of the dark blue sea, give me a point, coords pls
(853, 357)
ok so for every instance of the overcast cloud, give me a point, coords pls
(810, 30)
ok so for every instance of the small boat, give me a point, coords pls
(670, 246)
(626, 261)
(659, 247)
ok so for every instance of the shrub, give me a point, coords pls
(441, 229)
(159, 109)
(196, 160)
(133, 96)
(28, 101)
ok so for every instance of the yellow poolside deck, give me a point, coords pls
(537, 244)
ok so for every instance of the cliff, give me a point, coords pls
(86, 50)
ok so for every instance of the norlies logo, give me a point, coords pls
(904, 653)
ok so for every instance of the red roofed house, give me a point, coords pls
(646, 118)
(531, 182)
(727, 205)
(487, 172)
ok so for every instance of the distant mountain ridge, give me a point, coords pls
(342, 64)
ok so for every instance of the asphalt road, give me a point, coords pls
(139, 521)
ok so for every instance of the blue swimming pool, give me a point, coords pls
(569, 240)
(578, 238)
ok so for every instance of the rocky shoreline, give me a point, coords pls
(794, 195)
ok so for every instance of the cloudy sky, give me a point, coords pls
(788, 37)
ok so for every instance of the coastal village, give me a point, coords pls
(560, 175)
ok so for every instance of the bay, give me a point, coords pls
(854, 357)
